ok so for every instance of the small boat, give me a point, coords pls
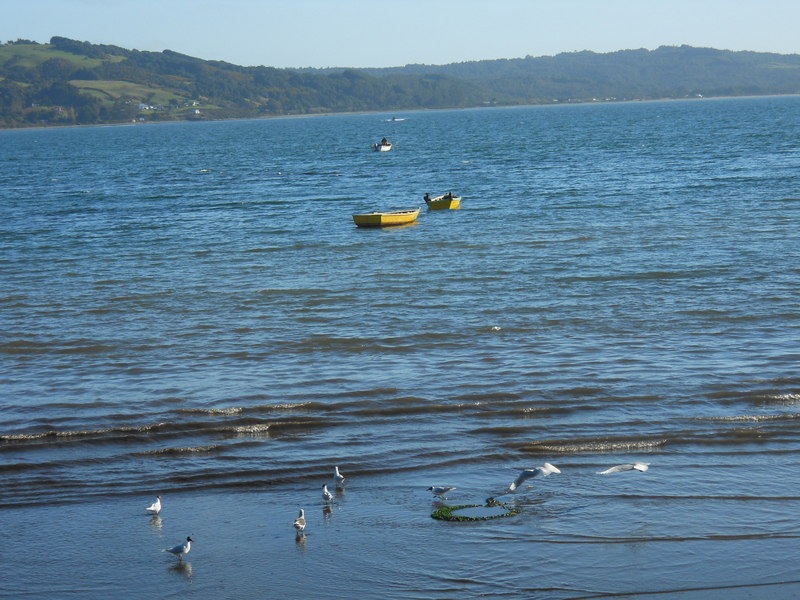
(384, 146)
(443, 202)
(386, 219)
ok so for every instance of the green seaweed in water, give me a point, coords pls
(450, 513)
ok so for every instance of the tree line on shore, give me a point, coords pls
(68, 82)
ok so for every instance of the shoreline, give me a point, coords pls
(403, 110)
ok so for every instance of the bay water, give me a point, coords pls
(187, 309)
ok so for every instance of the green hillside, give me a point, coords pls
(71, 82)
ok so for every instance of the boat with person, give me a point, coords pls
(386, 219)
(446, 201)
(384, 146)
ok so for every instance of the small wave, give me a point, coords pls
(578, 446)
(257, 409)
(258, 429)
(752, 418)
(181, 450)
(231, 410)
(15, 437)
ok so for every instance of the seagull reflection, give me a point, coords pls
(156, 522)
(327, 511)
(300, 541)
(182, 568)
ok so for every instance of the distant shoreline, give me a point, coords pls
(403, 110)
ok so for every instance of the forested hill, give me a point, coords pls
(71, 82)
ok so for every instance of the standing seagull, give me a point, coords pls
(637, 466)
(326, 495)
(300, 522)
(338, 477)
(440, 490)
(181, 550)
(542, 471)
(155, 507)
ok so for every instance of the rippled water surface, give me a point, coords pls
(188, 310)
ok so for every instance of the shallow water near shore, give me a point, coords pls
(188, 310)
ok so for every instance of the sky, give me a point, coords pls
(383, 33)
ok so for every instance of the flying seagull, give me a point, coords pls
(338, 477)
(637, 466)
(300, 522)
(181, 550)
(155, 507)
(542, 471)
(440, 490)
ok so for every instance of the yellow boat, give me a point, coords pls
(386, 219)
(442, 202)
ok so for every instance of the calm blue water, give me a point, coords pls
(188, 310)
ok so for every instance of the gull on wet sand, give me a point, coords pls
(326, 495)
(300, 521)
(155, 507)
(337, 476)
(441, 490)
(637, 466)
(542, 471)
(181, 550)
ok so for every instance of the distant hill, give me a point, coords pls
(71, 82)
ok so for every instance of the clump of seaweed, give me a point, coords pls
(449, 513)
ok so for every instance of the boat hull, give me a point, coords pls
(443, 202)
(386, 219)
(382, 147)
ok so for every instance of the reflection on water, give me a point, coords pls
(300, 541)
(156, 522)
(182, 568)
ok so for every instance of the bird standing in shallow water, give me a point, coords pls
(637, 466)
(326, 495)
(155, 507)
(440, 490)
(542, 471)
(337, 476)
(181, 550)
(300, 522)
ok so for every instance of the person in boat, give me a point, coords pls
(384, 142)
(427, 197)
(449, 195)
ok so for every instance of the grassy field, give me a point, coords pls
(31, 56)
(111, 90)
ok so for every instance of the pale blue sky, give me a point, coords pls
(378, 33)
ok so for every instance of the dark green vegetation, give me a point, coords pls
(70, 82)
(451, 513)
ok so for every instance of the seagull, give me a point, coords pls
(181, 549)
(542, 471)
(637, 466)
(326, 495)
(155, 507)
(338, 477)
(440, 490)
(300, 522)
